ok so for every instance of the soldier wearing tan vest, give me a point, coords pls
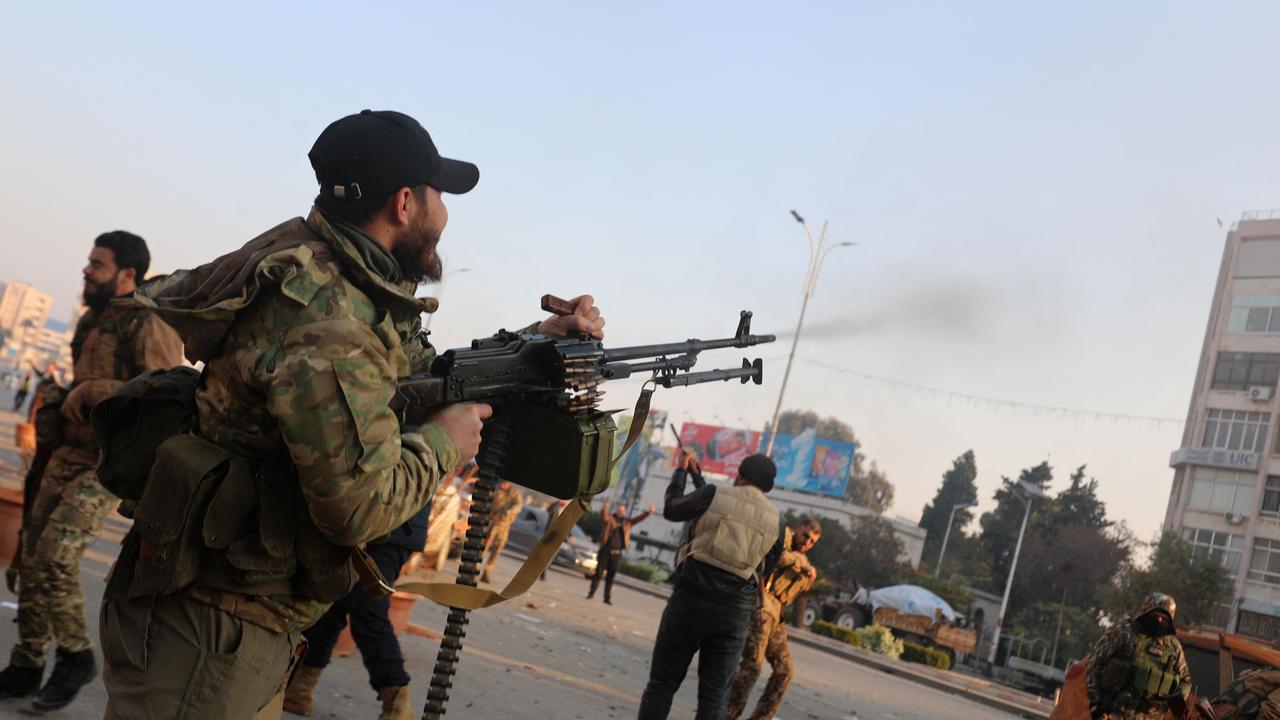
(735, 537)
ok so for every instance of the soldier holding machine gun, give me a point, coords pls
(316, 402)
(304, 333)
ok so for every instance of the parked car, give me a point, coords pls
(577, 551)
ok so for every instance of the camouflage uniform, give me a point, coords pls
(304, 332)
(1109, 668)
(507, 503)
(1254, 694)
(767, 639)
(69, 505)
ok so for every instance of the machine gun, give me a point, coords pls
(547, 432)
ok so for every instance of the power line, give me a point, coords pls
(1053, 411)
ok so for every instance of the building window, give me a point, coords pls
(1241, 371)
(1254, 314)
(1264, 562)
(1258, 625)
(1236, 430)
(1222, 491)
(1222, 548)
(1271, 497)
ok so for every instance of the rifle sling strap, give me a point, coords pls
(473, 598)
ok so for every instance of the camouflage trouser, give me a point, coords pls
(497, 540)
(766, 640)
(67, 513)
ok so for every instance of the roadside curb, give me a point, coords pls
(979, 690)
(986, 693)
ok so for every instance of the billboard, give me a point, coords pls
(810, 464)
(629, 473)
(719, 449)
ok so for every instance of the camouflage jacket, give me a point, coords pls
(506, 505)
(1122, 642)
(303, 344)
(787, 580)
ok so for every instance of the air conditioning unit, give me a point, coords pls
(1260, 393)
(1235, 519)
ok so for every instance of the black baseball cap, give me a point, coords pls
(758, 470)
(374, 153)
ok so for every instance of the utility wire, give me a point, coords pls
(1053, 411)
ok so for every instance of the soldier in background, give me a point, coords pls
(507, 503)
(767, 636)
(615, 536)
(116, 339)
(1137, 669)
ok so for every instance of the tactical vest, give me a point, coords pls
(787, 581)
(1147, 676)
(125, 328)
(736, 531)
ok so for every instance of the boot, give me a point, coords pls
(297, 696)
(17, 681)
(396, 703)
(71, 671)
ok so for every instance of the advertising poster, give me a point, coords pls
(719, 449)
(629, 473)
(810, 464)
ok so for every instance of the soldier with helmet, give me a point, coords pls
(1137, 669)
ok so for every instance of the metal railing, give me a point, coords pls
(1256, 215)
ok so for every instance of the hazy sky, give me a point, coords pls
(1033, 189)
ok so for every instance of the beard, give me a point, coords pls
(415, 252)
(97, 295)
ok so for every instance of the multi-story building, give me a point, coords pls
(1225, 499)
(23, 310)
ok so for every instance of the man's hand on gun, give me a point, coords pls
(690, 463)
(579, 316)
(463, 423)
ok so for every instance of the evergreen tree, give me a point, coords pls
(1078, 505)
(1000, 527)
(958, 486)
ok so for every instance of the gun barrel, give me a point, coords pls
(620, 370)
(750, 371)
(688, 347)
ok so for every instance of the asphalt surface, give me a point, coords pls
(550, 655)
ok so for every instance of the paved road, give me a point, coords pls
(552, 655)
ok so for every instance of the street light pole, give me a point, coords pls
(937, 570)
(816, 256)
(1032, 491)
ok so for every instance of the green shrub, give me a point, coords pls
(643, 571)
(912, 652)
(876, 638)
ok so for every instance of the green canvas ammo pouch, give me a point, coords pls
(186, 473)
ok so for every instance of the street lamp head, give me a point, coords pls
(963, 505)
(1032, 490)
(796, 215)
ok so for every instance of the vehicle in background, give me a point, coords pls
(577, 551)
(838, 608)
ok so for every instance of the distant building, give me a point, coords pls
(23, 311)
(1225, 499)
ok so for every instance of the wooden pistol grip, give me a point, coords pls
(556, 305)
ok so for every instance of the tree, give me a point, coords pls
(1078, 505)
(872, 489)
(1070, 564)
(865, 552)
(869, 488)
(958, 486)
(1000, 527)
(1075, 630)
(1199, 585)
